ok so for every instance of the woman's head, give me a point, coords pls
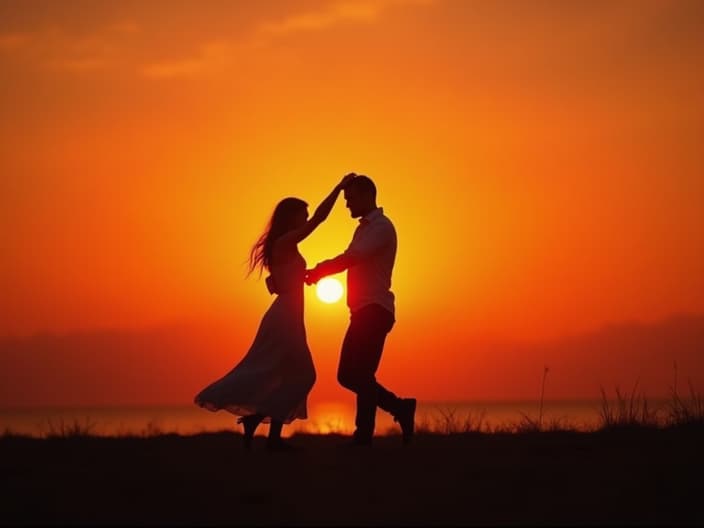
(289, 213)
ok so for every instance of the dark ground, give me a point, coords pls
(641, 476)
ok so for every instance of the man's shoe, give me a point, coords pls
(406, 418)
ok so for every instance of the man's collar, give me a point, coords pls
(371, 215)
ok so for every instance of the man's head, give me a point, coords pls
(360, 196)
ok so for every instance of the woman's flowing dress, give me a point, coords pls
(277, 373)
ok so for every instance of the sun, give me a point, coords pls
(329, 290)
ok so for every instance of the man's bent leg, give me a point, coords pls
(387, 400)
(359, 360)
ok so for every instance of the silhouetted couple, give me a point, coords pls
(271, 383)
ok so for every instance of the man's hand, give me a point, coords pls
(312, 276)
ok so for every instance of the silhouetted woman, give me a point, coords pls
(271, 383)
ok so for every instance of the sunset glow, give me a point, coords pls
(541, 163)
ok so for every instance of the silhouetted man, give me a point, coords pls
(369, 261)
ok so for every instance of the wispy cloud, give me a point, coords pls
(210, 57)
(58, 50)
(330, 16)
(217, 55)
(360, 11)
(112, 44)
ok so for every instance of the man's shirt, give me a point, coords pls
(373, 250)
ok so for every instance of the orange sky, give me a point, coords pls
(541, 162)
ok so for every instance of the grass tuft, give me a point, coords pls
(74, 429)
(685, 411)
(626, 411)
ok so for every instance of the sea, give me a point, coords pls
(323, 418)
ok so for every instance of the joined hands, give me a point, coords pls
(312, 276)
(315, 274)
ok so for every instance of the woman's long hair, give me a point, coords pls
(281, 222)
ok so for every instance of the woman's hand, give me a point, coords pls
(345, 180)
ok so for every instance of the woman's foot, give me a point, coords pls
(249, 423)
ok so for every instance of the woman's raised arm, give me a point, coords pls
(321, 213)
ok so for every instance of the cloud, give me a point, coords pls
(112, 43)
(364, 11)
(217, 55)
(317, 20)
(60, 51)
(211, 56)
